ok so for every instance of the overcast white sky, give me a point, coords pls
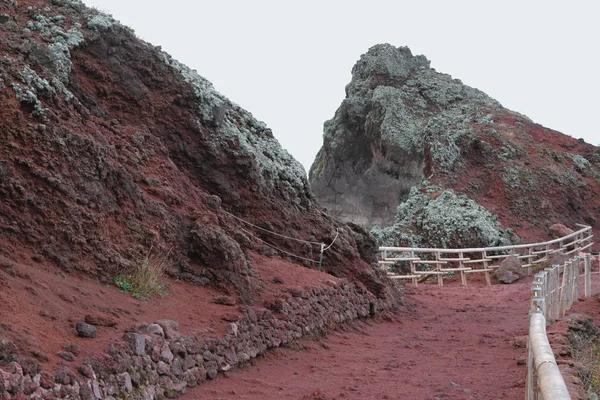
(288, 63)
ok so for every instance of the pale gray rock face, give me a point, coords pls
(400, 122)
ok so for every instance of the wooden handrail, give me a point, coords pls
(553, 292)
(480, 249)
(532, 253)
(550, 383)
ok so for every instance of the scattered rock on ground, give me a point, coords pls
(510, 270)
(66, 355)
(224, 300)
(85, 330)
(559, 230)
(71, 348)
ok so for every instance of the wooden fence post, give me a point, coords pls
(588, 275)
(461, 265)
(413, 269)
(486, 267)
(563, 290)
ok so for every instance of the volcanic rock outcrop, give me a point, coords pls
(405, 132)
(109, 147)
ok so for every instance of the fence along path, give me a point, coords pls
(553, 291)
(424, 262)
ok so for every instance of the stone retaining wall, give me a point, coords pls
(157, 361)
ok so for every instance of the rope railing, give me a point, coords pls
(553, 292)
(439, 262)
(323, 248)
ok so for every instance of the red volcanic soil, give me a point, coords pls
(457, 343)
(450, 342)
(39, 306)
(548, 187)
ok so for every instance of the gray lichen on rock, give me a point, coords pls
(580, 163)
(251, 139)
(26, 95)
(434, 217)
(31, 79)
(100, 22)
(400, 122)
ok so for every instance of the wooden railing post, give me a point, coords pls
(556, 292)
(463, 276)
(440, 279)
(577, 263)
(588, 275)
(413, 268)
(530, 262)
(486, 267)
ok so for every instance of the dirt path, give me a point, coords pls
(457, 344)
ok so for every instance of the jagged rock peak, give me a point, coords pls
(384, 61)
(403, 125)
(395, 125)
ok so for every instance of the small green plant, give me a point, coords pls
(122, 282)
(146, 280)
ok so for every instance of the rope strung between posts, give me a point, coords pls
(323, 248)
(271, 232)
(278, 249)
(337, 233)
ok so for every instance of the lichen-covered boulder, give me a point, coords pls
(433, 217)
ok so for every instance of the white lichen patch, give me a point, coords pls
(100, 22)
(580, 163)
(240, 134)
(32, 80)
(27, 96)
(440, 218)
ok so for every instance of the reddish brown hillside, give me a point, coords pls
(550, 178)
(109, 150)
(110, 147)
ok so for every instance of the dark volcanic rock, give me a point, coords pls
(85, 330)
(105, 138)
(510, 270)
(404, 126)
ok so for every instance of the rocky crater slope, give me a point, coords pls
(111, 147)
(111, 150)
(450, 156)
